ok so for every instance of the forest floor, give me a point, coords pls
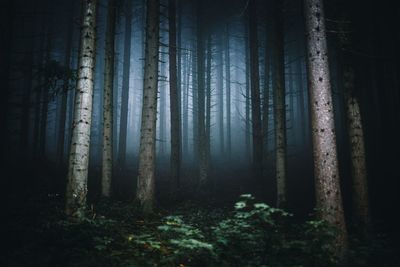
(213, 229)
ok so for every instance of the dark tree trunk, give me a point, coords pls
(228, 92)
(174, 98)
(147, 150)
(255, 91)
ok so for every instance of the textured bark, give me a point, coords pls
(174, 98)
(79, 151)
(202, 161)
(228, 92)
(123, 125)
(147, 153)
(326, 171)
(357, 153)
(279, 105)
(266, 93)
(255, 91)
(108, 122)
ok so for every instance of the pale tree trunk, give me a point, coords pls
(279, 105)
(185, 105)
(107, 159)
(203, 171)
(255, 92)
(79, 150)
(326, 170)
(247, 95)
(147, 150)
(357, 153)
(228, 92)
(174, 98)
(123, 125)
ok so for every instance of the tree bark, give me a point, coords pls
(255, 92)
(79, 151)
(357, 154)
(147, 153)
(326, 170)
(279, 105)
(174, 98)
(108, 122)
(228, 93)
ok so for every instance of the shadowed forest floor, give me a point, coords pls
(221, 227)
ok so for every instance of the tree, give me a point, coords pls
(326, 170)
(174, 97)
(147, 153)
(125, 86)
(108, 121)
(228, 92)
(79, 150)
(255, 91)
(279, 104)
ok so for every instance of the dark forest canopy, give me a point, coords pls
(168, 113)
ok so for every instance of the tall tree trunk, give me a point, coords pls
(123, 125)
(79, 152)
(255, 91)
(64, 96)
(247, 95)
(147, 153)
(266, 96)
(208, 97)
(162, 101)
(228, 92)
(279, 105)
(185, 110)
(174, 98)
(107, 159)
(326, 170)
(203, 172)
(220, 92)
(357, 153)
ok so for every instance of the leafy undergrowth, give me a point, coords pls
(248, 234)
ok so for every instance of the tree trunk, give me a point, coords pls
(79, 152)
(266, 96)
(208, 97)
(174, 98)
(123, 125)
(64, 96)
(255, 92)
(220, 92)
(147, 153)
(228, 92)
(279, 105)
(247, 96)
(357, 153)
(203, 172)
(326, 170)
(107, 159)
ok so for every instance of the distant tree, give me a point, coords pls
(107, 166)
(228, 92)
(255, 91)
(326, 171)
(174, 98)
(123, 125)
(79, 151)
(147, 153)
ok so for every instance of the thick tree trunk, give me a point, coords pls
(108, 122)
(255, 92)
(123, 125)
(279, 105)
(357, 154)
(326, 170)
(147, 153)
(174, 98)
(79, 152)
